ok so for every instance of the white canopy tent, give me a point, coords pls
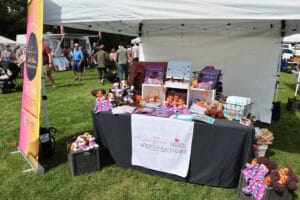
(4, 40)
(243, 38)
(292, 38)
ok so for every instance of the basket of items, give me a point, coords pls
(237, 107)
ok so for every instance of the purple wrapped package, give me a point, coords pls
(154, 75)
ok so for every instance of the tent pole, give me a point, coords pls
(297, 84)
(282, 34)
(44, 97)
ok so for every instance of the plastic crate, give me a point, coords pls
(83, 162)
(270, 194)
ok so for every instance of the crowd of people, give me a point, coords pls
(111, 66)
(15, 56)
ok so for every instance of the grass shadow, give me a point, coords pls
(284, 129)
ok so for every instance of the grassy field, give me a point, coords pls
(69, 107)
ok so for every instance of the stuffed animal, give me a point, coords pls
(264, 137)
(278, 179)
(83, 142)
(112, 99)
(215, 110)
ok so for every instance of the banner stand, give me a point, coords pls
(39, 170)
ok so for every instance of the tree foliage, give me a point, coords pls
(13, 17)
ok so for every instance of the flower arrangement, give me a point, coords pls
(262, 173)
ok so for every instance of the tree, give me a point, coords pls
(13, 17)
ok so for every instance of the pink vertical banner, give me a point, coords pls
(31, 96)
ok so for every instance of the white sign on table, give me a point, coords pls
(161, 144)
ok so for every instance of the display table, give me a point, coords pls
(219, 151)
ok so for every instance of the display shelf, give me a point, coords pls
(201, 94)
(156, 89)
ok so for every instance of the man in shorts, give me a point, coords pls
(77, 66)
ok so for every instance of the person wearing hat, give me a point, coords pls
(101, 57)
(7, 54)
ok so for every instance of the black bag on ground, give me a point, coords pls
(293, 104)
(276, 110)
(47, 141)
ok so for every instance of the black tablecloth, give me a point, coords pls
(218, 154)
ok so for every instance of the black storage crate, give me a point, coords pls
(270, 194)
(83, 162)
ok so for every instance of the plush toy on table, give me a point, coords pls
(175, 101)
(169, 100)
(101, 103)
(194, 83)
(181, 107)
(125, 92)
(215, 110)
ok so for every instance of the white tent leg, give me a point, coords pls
(44, 98)
(297, 84)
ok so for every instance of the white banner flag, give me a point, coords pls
(161, 144)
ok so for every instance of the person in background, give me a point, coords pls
(86, 59)
(135, 51)
(113, 55)
(77, 59)
(101, 57)
(129, 54)
(6, 54)
(21, 60)
(47, 62)
(122, 59)
(18, 52)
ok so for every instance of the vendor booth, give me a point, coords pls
(242, 38)
(177, 38)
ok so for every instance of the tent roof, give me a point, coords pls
(6, 40)
(292, 38)
(124, 17)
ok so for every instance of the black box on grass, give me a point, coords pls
(83, 162)
(270, 194)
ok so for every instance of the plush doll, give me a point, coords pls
(169, 100)
(98, 93)
(194, 83)
(181, 107)
(277, 179)
(101, 103)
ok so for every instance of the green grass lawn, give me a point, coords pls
(69, 107)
